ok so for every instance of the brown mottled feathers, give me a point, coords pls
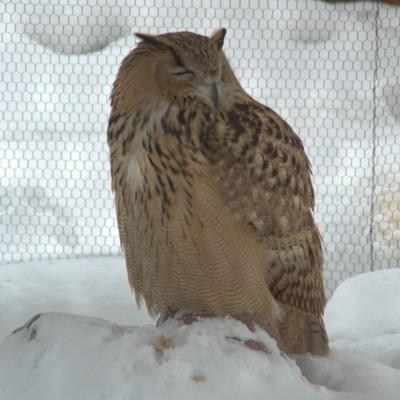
(213, 193)
(274, 195)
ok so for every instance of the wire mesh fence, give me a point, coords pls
(331, 70)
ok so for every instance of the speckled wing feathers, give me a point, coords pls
(264, 176)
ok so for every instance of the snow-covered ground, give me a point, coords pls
(364, 316)
(61, 355)
(91, 286)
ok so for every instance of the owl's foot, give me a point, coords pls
(250, 321)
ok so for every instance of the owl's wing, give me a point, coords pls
(263, 175)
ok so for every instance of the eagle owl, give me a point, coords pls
(213, 193)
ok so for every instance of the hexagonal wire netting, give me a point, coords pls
(332, 71)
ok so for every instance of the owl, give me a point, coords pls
(213, 193)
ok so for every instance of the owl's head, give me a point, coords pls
(172, 66)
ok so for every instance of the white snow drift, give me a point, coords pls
(364, 316)
(91, 286)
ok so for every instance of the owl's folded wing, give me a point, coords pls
(263, 175)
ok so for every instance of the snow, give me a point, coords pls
(364, 316)
(90, 286)
(66, 356)
(62, 355)
(116, 362)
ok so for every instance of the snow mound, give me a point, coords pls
(96, 286)
(74, 28)
(64, 356)
(363, 315)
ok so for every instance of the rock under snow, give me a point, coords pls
(61, 356)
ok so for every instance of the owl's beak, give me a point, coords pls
(214, 95)
(209, 92)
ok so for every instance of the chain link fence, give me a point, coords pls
(331, 70)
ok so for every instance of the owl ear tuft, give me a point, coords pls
(151, 39)
(145, 37)
(159, 42)
(218, 37)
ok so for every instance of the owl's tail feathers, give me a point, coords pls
(301, 333)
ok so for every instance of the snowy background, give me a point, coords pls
(332, 71)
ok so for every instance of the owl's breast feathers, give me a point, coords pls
(213, 203)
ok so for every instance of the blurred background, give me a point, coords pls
(332, 70)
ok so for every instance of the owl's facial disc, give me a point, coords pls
(202, 84)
